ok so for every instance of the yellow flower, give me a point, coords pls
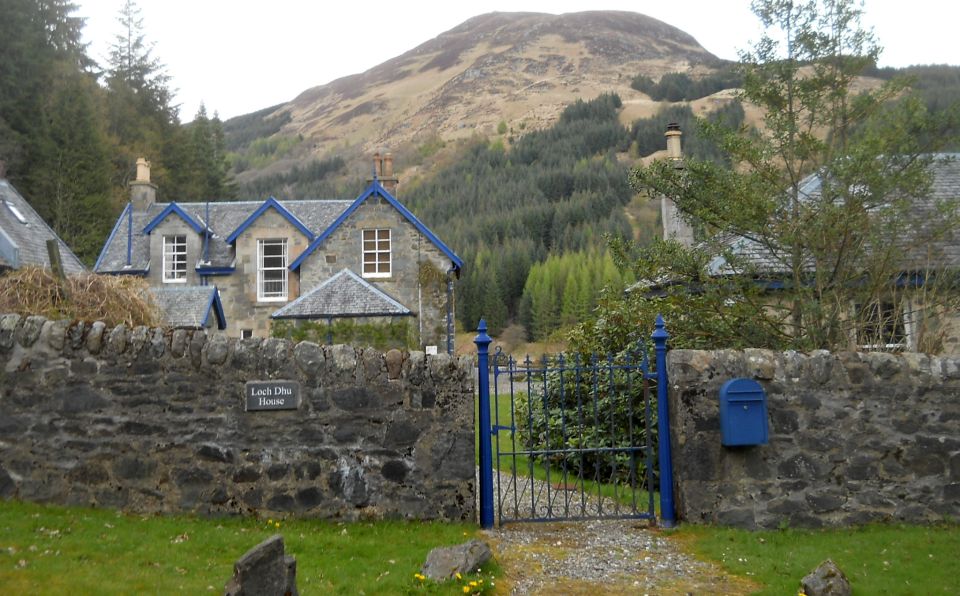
(473, 584)
(459, 576)
(269, 521)
(419, 576)
(278, 524)
(466, 589)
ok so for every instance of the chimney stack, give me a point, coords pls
(143, 193)
(383, 170)
(675, 227)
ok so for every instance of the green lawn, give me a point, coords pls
(877, 559)
(58, 550)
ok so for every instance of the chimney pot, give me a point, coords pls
(673, 134)
(388, 165)
(143, 170)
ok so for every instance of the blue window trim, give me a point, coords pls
(113, 233)
(270, 202)
(376, 188)
(173, 208)
(217, 308)
(215, 270)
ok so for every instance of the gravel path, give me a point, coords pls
(600, 557)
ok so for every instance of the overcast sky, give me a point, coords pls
(238, 56)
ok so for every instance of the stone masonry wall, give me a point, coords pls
(854, 438)
(153, 420)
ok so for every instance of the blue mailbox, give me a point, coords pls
(743, 413)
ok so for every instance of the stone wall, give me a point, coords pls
(854, 438)
(154, 420)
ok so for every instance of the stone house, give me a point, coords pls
(24, 234)
(274, 259)
(901, 323)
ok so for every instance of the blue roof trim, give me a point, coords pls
(271, 202)
(173, 208)
(217, 307)
(116, 226)
(376, 188)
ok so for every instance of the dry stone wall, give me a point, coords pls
(154, 420)
(854, 438)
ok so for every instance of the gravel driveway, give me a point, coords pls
(602, 557)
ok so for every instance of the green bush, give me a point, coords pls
(593, 403)
(382, 336)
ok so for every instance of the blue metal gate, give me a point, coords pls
(569, 438)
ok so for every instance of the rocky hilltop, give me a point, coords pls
(516, 68)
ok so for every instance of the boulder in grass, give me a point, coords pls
(444, 563)
(826, 580)
(264, 571)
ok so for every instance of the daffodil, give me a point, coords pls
(466, 589)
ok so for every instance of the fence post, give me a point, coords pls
(667, 514)
(483, 432)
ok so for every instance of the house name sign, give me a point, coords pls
(272, 395)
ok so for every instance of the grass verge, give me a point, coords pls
(61, 550)
(877, 559)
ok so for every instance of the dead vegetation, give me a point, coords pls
(87, 297)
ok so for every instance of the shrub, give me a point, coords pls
(589, 404)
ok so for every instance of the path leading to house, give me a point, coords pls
(603, 557)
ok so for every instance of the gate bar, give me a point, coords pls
(667, 515)
(486, 457)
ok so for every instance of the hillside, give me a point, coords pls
(498, 71)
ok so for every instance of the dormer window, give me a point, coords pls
(174, 259)
(272, 270)
(376, 253)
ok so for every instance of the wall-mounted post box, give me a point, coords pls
(743, 413)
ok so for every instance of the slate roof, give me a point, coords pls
(189, 307)
(945, 250)
(225, 218)
(345, 294)
(23, 244)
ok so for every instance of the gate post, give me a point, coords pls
(483, 432)
(667, 515)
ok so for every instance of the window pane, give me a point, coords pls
(369, 234)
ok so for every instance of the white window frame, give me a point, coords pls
(375, 243)
(174, 269)
(262, 270)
